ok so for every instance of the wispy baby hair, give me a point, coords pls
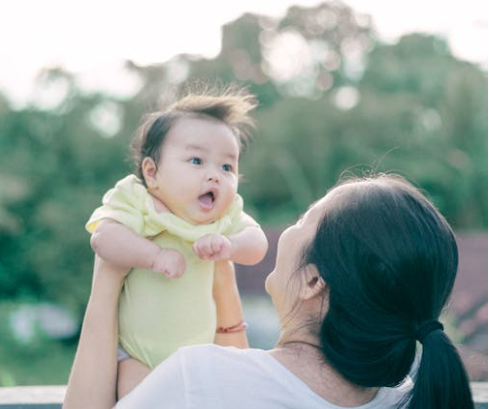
(231, 105)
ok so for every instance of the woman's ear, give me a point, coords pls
(149, 170)
(312, 283)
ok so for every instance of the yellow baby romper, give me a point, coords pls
(157, 315)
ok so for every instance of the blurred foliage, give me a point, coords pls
(38, 360)
(332, 99)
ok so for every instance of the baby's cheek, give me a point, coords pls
(229, 197)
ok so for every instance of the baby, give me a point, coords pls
(179, 216)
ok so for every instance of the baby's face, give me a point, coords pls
(197, 177)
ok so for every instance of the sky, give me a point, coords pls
(93, 37)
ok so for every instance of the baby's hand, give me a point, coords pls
(170, 262)
(213, 247)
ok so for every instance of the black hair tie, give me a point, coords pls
(426, 329)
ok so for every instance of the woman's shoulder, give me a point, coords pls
(246, 367)
(393, 397)
(223, 361)
(213, 351)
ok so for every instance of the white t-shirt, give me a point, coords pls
(214, 377)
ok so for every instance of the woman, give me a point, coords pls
(359, 279)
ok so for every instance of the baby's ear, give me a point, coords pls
(149, 170)
(312, 283)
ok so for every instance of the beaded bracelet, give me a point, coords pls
(239, 327)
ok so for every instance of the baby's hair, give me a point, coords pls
(231, 106)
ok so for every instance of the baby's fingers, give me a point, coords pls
(215, 246)
(175, 269)
(173, 273)
(202, 248)
(176, 264)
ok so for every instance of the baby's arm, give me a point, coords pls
(122, 247)
(247, 247)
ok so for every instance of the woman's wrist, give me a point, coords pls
(239, 327)
(108, 277)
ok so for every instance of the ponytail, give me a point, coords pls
(389, 259)
(441, 380)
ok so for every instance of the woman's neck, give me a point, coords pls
(301, 354)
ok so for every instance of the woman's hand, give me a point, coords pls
(103, 271)
(93, 377)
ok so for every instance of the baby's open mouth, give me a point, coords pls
(207, 200)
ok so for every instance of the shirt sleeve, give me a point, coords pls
(164, 387)
(239, 219)
(242, 222)
(125, 203)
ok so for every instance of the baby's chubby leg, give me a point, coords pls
(228, 306)
(130, 373)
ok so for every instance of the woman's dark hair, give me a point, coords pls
(389, 259)
(231, 106)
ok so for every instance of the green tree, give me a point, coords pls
(333, 99)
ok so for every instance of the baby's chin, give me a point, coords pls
(200, 219)
(196, 215)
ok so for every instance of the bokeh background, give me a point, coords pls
(338, 94)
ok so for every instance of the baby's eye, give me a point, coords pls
(195, 161)
(227, 167)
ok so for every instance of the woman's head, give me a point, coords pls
(383, 261)
(187, 156)
(289, 277)
(389, 260)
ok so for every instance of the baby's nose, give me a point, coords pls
(213, 176)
